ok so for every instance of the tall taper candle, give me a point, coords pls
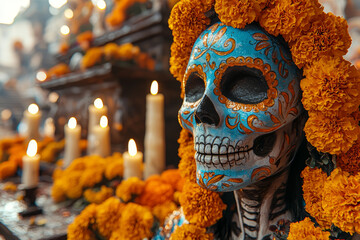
(72, 141)
(132, 161)
(30, 170)
(100, 139)
(154, 133)
(96, 110)
(32, 120)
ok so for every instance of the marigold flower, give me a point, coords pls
(191, 232)
(111, 51)
(290, 18)
(108, 216)
(58, 70)
(115, 167)
(173, 177)
(135, 223)
(314, 181)
(98, 196)
(350, 161)
(331, 135)
(239, 13)
(130, 188)
(80, 228)
(86, 36)
(7, 169)
(58, 192)
(201, 206)
(92, 57)
(91, 176)
(341, 200)
(161, 211)
(305, 230)
(327, 35)
(187, 165)
(331, 86)
(155, 192)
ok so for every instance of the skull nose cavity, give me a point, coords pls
(206, 112)
(264, 144)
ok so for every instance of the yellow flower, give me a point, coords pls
(155, 192)
(130, 188)
(92, 57)
(201, 206)
(331, 135)
(331, 86)
(108, 216)
(191, 232)
(314, 181)
(135, 223)
(239, 13)
(58, 192)
(80, 228)
(327, 35)
(187, 165)
(163, 210)
(91, 176)
(305, 230)
(115, 167)
(172, 177)
(99, 196)
(341, 200)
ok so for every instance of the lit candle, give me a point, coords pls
(32, 117)
(30, 172)
(96, 110)
(154, 133)
(49, 128)
(72, 141)
(100, 139)
(132, 161)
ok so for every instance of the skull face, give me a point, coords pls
(242, 104)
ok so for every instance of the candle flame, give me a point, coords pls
(154, 87)
(101, 4)
(41, 76)
(103, 122)
(72, 123)
(98, 103)
(132, 147)
(32, 148)
(33, 108)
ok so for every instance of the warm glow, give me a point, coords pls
(154, 87)
(64, 30)
(132, 147)
(98, 103)
(101, 4)
(33, 108)
(41, 76)
(53, 97)
(72, 123)
(103, 122)
(32, 148)
(6, 114)
(68, 13)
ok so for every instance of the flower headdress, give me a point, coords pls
(331, 91)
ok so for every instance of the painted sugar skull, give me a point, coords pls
(242, 104)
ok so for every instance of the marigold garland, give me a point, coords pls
(187, 164)
(305, 230)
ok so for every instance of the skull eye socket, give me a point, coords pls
(244, 85)
(194, 87)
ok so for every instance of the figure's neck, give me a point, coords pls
(260, 206)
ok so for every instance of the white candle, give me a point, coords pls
(154, 133)
(99, 143)
(72, 141)
(96, 110)
(132, 161)
(32, 117)
(49, 128)
(30, 172)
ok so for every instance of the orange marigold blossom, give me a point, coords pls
(341, 200)
(98, 196)
(7, 169)
(305, 230)
(173, 177)
(201, 206)
(163, 210)
(114, 167)
(191, 232)
(332, 135)
(91, 176)
(86, 36)
(327, 35)
(58, 193)
(135, 222)
(239, 13)
(58, 70)
(350, 161)
(155, 192)
(314, 181)
(331, 86)
(187, 165)
(108, 216)
(111, 51)
(92, 57)
(130, 188)
(290, 18)
(80, 228)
